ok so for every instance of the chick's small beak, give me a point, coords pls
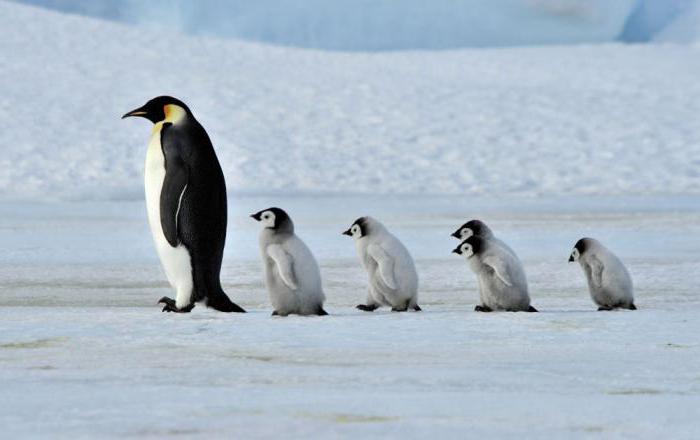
(456, 251)
(571, 258)
(255, 216)
(136, 112)
(348, 233)
(455, 234)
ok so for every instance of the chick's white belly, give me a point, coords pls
(176, 261)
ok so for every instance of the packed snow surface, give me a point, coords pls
(85, 352)
(603, 119)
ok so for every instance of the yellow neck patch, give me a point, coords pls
(174, 113)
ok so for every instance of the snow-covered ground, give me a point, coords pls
(603, 119)
(85, 351)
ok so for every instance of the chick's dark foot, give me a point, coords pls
(367, 308)
(482, 309)
(170, 306)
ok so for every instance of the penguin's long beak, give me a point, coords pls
(348, 233)
(136, 112)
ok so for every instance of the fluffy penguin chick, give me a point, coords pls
(502, 281)
(609, 282)
(478, 228)
(393, 280)
(292, 276)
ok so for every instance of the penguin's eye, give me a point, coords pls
(266, 216)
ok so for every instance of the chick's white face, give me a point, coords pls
(575, 255)
(356, 232)
(268, 219)
(465, 233)
(467, 251)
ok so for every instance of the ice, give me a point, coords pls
(650, 18)
(86, 352)
(362, 25)
(684, 28)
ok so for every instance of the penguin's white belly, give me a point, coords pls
(176, 261)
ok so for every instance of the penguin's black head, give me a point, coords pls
(358, 229)
(470, 247)
(472, 227)
(274, 218)
(579, 248)
(161, 108)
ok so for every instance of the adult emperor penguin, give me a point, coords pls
(502, 282)
(292, 276)
(393, 280)
(186, 201)
(480, 229)
(609, 282)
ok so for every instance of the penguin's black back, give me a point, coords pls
(202, 213)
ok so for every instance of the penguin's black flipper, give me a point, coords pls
(532, 309)
(174, 185)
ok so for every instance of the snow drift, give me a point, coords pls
(579, 120)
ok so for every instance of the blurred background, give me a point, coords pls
(476, 97)
(359, 25)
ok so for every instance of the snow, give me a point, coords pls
(86, 352)
(602, 119)
(374, 25)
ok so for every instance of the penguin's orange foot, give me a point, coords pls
(170, 306)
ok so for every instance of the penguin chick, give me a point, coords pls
(473, 227)
(393, 280)
(502, 281)
(478, 228)
(292, 276)
(609, 282)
